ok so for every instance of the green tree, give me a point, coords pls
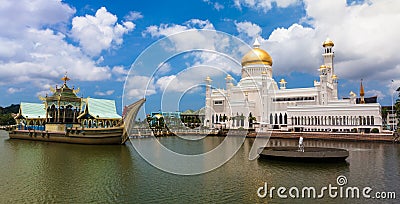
(7, 119)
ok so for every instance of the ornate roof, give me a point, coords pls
(32, 110)
(100, 109)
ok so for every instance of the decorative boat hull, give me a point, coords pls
(310, 154)
(88, 136)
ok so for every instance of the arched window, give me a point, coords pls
(285, 119)
(372, 120)
(280, 118)
(271, 119)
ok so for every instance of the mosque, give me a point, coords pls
(258, 101)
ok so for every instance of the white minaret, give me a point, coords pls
(229, 83)
(207, 119)
(335, 87)
(264, 97)
(328, 57)
(323, 84)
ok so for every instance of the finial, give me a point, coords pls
(65, 78)
(256, 44)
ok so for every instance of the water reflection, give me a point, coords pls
(43, 172)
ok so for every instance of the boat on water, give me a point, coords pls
(304, 154)
(65, 117)
(310, 154)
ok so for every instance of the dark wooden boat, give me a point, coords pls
(310, 154)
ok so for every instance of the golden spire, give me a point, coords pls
(362, 101)
(65, 78)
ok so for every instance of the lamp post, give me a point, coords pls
(392, 112)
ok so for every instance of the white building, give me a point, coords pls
(258, 102)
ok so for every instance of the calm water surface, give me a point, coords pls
(40, 172)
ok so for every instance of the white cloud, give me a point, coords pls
(12, 90)
(133, 15)
(363, 34)
(374, 92)
(137, 87)
(119, 73)
(170, 29)
(99, 32)
(18, 16)
(34, 49)
(119, 70)
(264, 5)
(164, 68)
(249, 29)
(106, 93)
(44, 54)
(294, 49)
(217, 6)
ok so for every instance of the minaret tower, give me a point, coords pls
(362, 100)
(328, 58)
(324, 84)
(208, 107)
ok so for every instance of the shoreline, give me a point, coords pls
(366, 137)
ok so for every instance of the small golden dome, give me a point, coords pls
(263, 72)
(282, 81)
(322, 67)
(334, 76)
(328, 42)
(208, 78)
(257, 56)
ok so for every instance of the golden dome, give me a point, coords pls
(257, 56)
(334, 76)
(322, 67)
(328, 42)
(282, 81)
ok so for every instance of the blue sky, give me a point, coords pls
(97, 41)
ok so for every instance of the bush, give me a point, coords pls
(375, 130)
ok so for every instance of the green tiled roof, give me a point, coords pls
(102, 108)
(33, 110)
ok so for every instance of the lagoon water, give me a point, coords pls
(41, 172)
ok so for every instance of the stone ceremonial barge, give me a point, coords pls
(65, 117)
